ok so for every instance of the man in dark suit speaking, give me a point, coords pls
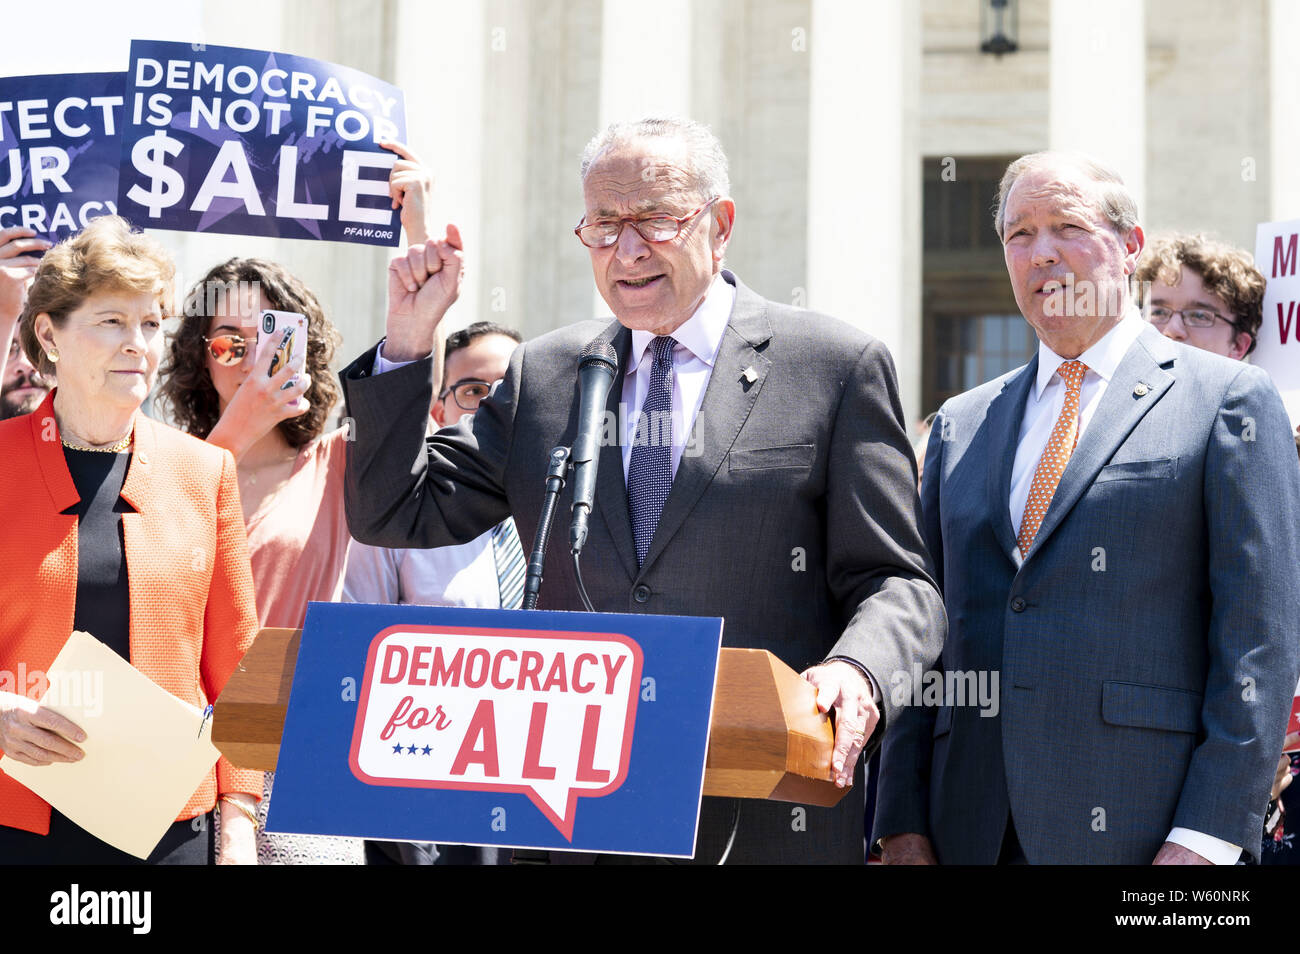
(1115, 528)
(781, 496)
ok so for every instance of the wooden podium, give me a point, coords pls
(766, 740)
(766, 737)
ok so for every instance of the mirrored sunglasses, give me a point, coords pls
(227, 349)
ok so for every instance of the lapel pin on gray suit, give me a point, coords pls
(1115, 532)
(726, 462)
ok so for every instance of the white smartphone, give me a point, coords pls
(284, 333)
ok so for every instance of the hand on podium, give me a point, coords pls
(845, 689)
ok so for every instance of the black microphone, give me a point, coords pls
(596, 373)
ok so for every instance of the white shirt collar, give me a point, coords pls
(1102, 358)
(701, 334)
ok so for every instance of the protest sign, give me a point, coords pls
(535, 729)
(222, 139)
(1277, 255)
(59, 150)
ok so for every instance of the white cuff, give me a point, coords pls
(382, 364)
(1215, 850)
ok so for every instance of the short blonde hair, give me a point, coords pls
(107, 255)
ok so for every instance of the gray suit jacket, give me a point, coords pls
(1147, 648)
(797, 521)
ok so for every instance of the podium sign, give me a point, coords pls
(581, 731)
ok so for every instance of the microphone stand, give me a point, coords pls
(598, 354)
(556, 474)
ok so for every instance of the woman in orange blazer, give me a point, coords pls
(119, 526)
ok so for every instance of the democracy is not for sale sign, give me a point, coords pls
(224, 139)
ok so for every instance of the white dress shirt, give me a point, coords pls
(1047, 397)
(1042, 408)
(461, 575)
(464, 575)
(698, 340)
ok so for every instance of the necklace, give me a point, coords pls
(117, 448)
(249, 475)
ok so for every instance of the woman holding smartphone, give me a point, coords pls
(271, 414)
(222, 387)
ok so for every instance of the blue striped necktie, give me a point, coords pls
(650, 471)
(509, 555)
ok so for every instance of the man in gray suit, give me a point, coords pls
(1115, 528)
(780, 497)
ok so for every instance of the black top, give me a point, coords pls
(103, 597)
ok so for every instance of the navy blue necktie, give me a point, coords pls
(650, 471)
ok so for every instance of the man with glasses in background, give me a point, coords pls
(487, 572)
(1202, 292)
(1210, 295)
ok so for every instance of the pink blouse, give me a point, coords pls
(298, 538)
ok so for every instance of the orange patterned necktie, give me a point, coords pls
(1055, 456)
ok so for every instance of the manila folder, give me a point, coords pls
(146, 751)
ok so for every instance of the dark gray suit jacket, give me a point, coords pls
(1147, 648)
(797, 521)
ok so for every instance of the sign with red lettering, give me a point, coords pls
(549, 715)
(1277, 255)
(570, 731)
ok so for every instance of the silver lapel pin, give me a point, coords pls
(1140, 390)
(749, 374)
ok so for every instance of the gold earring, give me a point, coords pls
(53, 355)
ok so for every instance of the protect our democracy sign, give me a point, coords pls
(59, 150)
(1277, 255)
(222, 139)
(498, 727)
